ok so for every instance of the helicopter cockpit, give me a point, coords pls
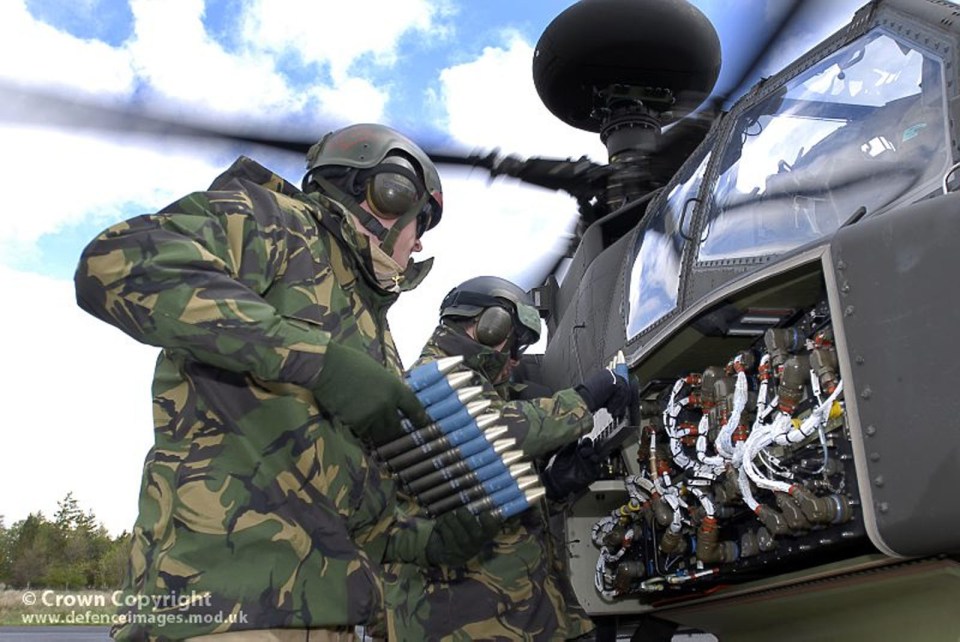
(862, 128)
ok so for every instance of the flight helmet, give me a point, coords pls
(503, 311)
(375, 163)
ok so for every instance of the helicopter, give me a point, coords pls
(788, 476)
(772, 270)
(775, 290)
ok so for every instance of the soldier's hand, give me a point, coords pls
(365, 396)
(459, 535)
(604, 388)
(572, 470)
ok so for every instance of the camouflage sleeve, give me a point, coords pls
(543, 425)
(192, 278)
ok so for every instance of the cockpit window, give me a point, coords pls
(863, 128)
(655, 276)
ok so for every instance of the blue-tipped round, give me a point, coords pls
(501, 481)
(430, 373)
(464, 417)
(520, 504)
(428, 433)
(468, 463)
(443, 388)
(506, 495)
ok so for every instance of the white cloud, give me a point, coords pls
(84, 178)
(334, 36)
(37, 54)
(492, 102)
(174, 54)
(339, 33)
(184, 70)
(353, 100)
(76, 414)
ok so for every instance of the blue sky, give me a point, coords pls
(76, 409)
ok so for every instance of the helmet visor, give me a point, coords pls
(526, 328)
(431, 213)
(427, 217)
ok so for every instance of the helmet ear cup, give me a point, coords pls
(392, 194)
(494, 326)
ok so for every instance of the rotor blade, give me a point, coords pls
(29, 106)
(753, 65)
(799, 27)
(21, 106)
(680, 139)
(682, 136)
(48, 109)
(579, 178)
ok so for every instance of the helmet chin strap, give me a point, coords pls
(386, 236)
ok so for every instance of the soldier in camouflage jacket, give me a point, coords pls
(259, 507)
(516, 588)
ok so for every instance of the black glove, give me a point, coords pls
(605, 389)
(459, 535)
(574, 467)
(365, 395)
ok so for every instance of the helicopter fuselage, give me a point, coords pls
(786, 305)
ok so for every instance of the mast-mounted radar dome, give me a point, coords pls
(598, 54)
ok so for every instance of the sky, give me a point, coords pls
(75, 411)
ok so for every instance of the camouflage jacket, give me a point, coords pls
(257, 509)
(517, 588)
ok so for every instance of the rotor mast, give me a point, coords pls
(624, 69)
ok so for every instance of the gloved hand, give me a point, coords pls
(605, 389)
(459, 535)
(365, 396)
(574, 467)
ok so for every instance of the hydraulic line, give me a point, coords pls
(724, 444)
(733, 437)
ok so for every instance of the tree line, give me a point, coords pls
(72, 551)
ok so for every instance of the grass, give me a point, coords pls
(50, 607)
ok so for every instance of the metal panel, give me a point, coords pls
(602, 498)
(583, 339)
(896, 277)
(906, 601)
